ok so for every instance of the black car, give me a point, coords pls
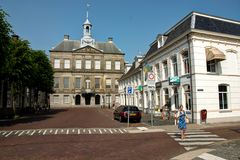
(121, 113)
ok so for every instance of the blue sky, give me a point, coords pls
(133, 24)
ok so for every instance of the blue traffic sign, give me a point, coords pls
(129, 90)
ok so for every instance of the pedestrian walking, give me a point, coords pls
(182, 124)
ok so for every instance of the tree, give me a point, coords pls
(5, 31)
(5, 37)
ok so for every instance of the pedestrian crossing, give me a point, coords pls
(62, 131)
(195, 138)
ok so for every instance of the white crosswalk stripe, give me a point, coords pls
(195, 138)
(64, 131)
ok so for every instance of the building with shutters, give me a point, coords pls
(86, 72)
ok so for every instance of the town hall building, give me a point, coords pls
(86, 72)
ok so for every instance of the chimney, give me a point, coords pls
(66, 37)
(15, 37)
(110, 39)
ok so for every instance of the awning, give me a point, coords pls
(214, 54)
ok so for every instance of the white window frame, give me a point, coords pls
(108, 82)
(76, 84)
(117, 65)
(78, 64)
(185, 61)
(88, 64)
(97, 64)
(55, 99)
(66, 99)
(108, 65)
(174, 66)
(57, 63)
(64, 85)
(56, 82)
(66, 63)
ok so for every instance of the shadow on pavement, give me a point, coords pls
(29, 118)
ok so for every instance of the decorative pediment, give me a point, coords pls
(87, 49)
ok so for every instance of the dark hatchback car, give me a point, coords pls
(121, 113)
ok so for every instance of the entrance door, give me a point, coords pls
(97, 99)
(78, 100)
(88, 99)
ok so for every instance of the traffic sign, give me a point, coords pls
(151, 79)
(129, 90)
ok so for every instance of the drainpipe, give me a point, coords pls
(191, 82)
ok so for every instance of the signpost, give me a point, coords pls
(129, 92)
(151, 87)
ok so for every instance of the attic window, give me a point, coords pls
(161, 41)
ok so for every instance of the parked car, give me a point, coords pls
(121, 113)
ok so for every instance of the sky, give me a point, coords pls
(133, 24)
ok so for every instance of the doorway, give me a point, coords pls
(88, 99)
(97, 99)
(78, 100)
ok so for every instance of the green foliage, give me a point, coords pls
(5, 31)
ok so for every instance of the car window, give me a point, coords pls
(131, 108)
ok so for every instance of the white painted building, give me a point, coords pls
(199, 55)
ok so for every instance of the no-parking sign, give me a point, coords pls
(151, 79)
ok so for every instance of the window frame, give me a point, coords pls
(185, 61)
(108, 65)
(57, 63)
(66, 80)
(88, 64)
(108, 83)
(97, 64)
(67, 65)
(78, 64)
(221, 97)
(117, 65)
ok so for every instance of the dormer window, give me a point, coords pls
(161, 40)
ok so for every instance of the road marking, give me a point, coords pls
(56, 131)
(62, 130)
(89, 131)
(4, 133)
(115, 130)
(195, 139)
(100, 131)
(194, 143)
(94, 130)
(78, 131)
(21, 133)
(125, 130)
(208, 156)
(73, 130)
(200, 139)
(33, 132)
(84, 130)
(44, 132)
(40, 131)
(16, 132)
(110, 131)
(105, 130)
(51, 131)
(28, 132)
(67, 131)
(120, 131)
(9, 134)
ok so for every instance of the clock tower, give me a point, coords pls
(87, 37)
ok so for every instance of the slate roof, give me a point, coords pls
(201, 22)
(70, 45)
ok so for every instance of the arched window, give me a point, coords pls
(87, 29)
(185, 59)
(187, 95)
(223, 96)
